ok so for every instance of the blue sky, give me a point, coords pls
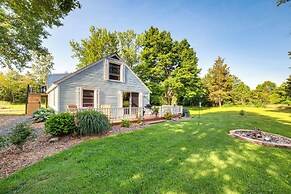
(253, 36)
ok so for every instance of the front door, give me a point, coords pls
(130, 100)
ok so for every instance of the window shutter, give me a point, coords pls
(106, 69)
(122, 72)
(96, 99)
(140, 100)
(79, 97)
(119, 99)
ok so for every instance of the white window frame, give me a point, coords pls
(107, 68)
(96, 101)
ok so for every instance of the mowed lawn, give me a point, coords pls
(176, 157)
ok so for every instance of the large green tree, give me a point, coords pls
(13, 86)
(168, 67)
(240, 92)
(24, 26)
(218, 81)
(263, 93)
(102, 42)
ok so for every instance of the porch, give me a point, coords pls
(115, 115)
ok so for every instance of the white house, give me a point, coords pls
(107, 83)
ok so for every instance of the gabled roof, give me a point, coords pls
(114, 56)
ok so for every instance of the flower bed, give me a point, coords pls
(262, 138)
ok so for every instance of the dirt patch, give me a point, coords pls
(5, 119)
(262, 138)
(12, 159)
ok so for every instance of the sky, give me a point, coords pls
(254, 37)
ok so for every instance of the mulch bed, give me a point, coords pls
(12, 159)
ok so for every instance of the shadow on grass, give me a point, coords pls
(167, 158)
(282, 110)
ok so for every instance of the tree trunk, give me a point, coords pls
(219, 101)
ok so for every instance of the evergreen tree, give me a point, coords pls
(218, 82)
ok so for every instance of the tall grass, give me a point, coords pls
(92, 122)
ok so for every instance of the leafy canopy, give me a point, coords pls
(24, 25)
(102, 43)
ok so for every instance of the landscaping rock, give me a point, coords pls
(54, 139)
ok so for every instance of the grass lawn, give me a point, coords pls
(9, 108)
(169, 158)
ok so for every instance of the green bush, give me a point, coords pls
(125, 123)
(168, 115)
(3, 141)
(60, 124)
(42, 114)
(20, 134)
(139, 120)
(186, 112)
(91, 122)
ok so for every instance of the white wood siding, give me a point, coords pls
(94, 78)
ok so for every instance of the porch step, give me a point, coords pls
(155, 122)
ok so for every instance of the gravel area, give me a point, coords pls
(9, 121)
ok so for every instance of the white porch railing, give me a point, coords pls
(175, 110)
(114, 113)
(128, 113)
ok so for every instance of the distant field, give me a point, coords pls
(8, 108)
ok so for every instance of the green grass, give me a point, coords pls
(9, 108)
(169, 158)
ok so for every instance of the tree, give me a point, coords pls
(279, 2)
(218, 81)
(128, 47)
(240, 93)
(100, 44)
(186, 73)
(41, 66)
(288, 86)
(24, 25)
(168, 67)
(264, 92)
(13, 86)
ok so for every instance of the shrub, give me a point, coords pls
(60, 124)
(139, 120)
(20, 134)
(3, 141)
(242, 112)
(125, 123)
(168, 115)
(42, 114)
(186, 112)
(91, 122)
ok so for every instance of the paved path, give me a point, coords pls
(5, 129)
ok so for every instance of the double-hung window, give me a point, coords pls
(88, 98)
(114, 71)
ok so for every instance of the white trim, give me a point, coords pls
(121, 73)
(96, 100)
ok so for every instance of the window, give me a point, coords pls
(88, 98)
(114, 71)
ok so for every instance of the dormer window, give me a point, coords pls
(114, 71)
